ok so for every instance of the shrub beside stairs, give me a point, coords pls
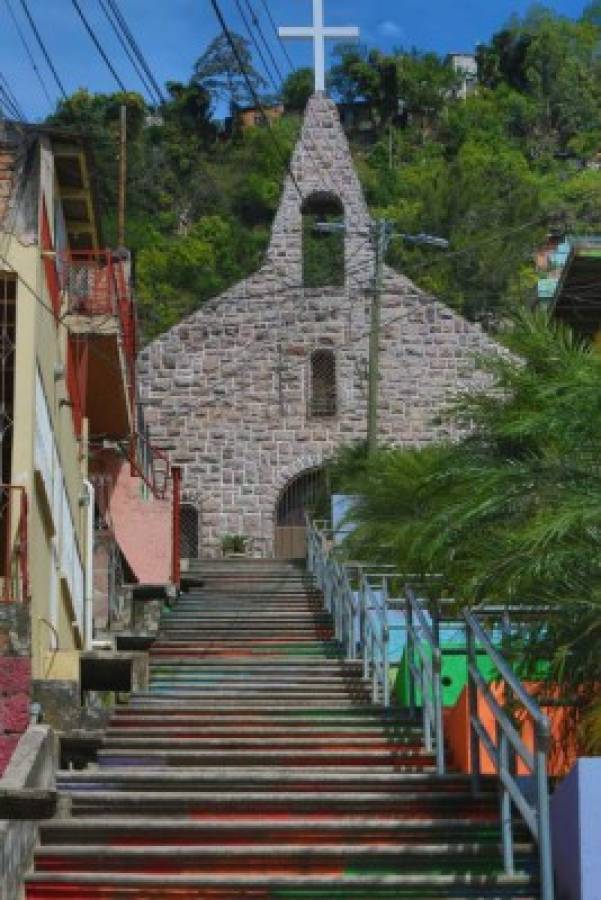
(256, 766)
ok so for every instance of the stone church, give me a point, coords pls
(255, 390)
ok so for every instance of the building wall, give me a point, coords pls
(41, 351)
(227, 390)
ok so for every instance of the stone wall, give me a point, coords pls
(228, 389)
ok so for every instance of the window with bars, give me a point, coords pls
(188, 520)
(324, 400)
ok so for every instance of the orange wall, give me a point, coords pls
(564, 750)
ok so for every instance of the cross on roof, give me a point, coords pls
(318, 33)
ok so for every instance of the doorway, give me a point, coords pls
(302, 495)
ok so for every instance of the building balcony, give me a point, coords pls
(101, 317)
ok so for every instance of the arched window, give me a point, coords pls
(188, 521)
(323, 248)
(323, 384)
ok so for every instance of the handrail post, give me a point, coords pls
(385, 665)
(542, 739)
(438, 714)
(472, 692)
(505, 802)
(364, 644)
(374, 670)
(410, 656)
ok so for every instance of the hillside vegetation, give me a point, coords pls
(494, 173)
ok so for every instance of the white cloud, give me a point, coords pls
(390, 29)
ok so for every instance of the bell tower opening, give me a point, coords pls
(323, 241)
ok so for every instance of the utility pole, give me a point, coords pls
(383, 235)
(122, 176)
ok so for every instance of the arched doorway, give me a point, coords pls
(304, 494)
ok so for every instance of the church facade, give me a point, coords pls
(253, 392)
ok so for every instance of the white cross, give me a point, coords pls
(318, 34)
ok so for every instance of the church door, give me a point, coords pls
(302, 495)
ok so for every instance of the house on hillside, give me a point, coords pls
(244, 118)
(75, 467)
(569, 285)
(465, 65)
(254, 391)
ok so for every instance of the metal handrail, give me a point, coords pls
(426, 671)
(536, 814)
(375, 637)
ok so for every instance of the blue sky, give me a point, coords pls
(173, 33)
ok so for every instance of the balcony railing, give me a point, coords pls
(97, 284)
(14, 528)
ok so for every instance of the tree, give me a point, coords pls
(510, 514)
(297, 88)
(190, 107)
(226, 74)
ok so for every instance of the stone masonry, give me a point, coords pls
(227, 390)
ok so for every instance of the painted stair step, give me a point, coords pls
(368, 715)
(257, 740)
(251, 693)
(341, 883)
(382, 762)
(259, 803)
(280, 859)
(183, 831)
(269, 678)
(194, 778)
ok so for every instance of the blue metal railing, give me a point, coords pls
(499, 750)
(359, 599)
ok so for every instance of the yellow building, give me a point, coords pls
(67, 348)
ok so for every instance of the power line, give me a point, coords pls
(29, 53)
(277, 34)
(11, 96)
(254, 95)
(98, 45)
(255, 43)
(115, 26)
(264, 41)
(135, 48)
(42, 47)
(9, 101)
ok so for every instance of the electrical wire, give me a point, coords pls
(6, 106)
(136, 49)
(255, 20)
(9, 93)
(277, 34)
(29, 53)
(42, 47)
(255, 44)
(253, 93)
(98, 45)
(120, 37)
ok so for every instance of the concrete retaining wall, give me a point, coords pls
(33, 765)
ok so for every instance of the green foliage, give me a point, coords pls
(511, 513)
(297, 88)
(493, 174)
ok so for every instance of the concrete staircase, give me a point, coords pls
(255, 766)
